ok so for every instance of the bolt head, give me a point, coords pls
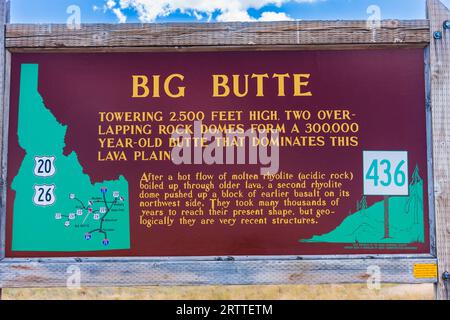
(446, 24)
(437, 35)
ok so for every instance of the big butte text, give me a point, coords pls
(155, 86)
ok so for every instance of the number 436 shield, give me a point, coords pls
(44, 195)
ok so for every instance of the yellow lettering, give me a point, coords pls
(260, 83)
(236, 86)
(298, 84)
(156, 80)
(181, 90)
(220, 81)
(140, 82)
(281, 83)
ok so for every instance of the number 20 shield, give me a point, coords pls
(44, 166)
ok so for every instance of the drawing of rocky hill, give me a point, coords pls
(367, 225)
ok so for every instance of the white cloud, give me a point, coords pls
(226, 10)
(120, 15)
(243, 16)
(274, 16)
(234, 15)
(110, 4)
(197, 15)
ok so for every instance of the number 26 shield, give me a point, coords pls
(44, 195)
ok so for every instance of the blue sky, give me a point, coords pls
(111, 11)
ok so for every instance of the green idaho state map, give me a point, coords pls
(367, 225)
(56, 207)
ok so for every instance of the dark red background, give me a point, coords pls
(385, 88)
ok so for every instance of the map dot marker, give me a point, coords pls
(88, 236)
(106, 242)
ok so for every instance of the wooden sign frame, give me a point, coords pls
(428, 34)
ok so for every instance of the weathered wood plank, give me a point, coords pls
(340, 47)
(429, 121)
(54, 273)
(440, 101)
(4, 94)
(392, 32)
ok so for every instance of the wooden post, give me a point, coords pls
(4, 19)
(440, 105)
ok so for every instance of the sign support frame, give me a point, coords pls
(439, 100)
(297, 35)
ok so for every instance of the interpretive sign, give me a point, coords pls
(297, 152)
(217, 154)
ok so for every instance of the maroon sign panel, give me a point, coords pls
(217, 154)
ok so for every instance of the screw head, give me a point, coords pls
(437, 35)
(446, 24)
(445, 276)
